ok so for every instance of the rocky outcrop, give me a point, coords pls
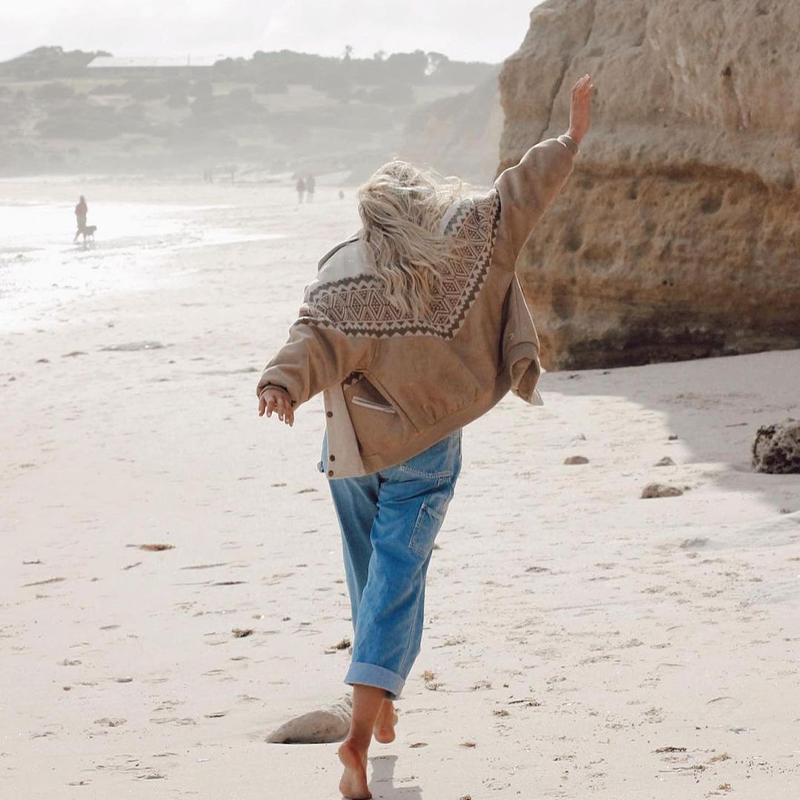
(776, 448)
(678, 234)
(458, 135)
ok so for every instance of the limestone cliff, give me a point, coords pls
(458, 135)
(678, 234)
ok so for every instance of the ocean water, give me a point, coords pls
(40, 264)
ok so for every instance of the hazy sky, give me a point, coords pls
(479, 30)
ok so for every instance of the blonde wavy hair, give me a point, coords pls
(401, 207)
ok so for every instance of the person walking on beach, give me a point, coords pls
(81, 210)
(311, 184)
(300, 186)
(414, 327)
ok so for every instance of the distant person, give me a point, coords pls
(301, 189)
(81, 210)
(341, 194)
(310, 184)
(427, 284)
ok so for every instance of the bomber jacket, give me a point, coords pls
(393, 386)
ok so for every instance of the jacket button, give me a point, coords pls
(329, 413)
(330, 473)
(332, 458)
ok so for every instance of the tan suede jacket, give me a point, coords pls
(393, 387)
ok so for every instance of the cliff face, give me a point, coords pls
(458, 135)
(678, 234)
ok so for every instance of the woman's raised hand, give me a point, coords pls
(276, 400)
(579, 112)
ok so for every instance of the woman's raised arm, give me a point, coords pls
(527, 189)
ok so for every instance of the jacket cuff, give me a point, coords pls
(569, 143)
(262, 387)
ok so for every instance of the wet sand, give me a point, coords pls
(580, 641)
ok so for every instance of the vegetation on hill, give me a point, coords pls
(279, 111)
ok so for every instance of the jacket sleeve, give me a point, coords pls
(314, 358)
(527, 189)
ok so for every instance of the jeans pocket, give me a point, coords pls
(440, 460)
(429, 521)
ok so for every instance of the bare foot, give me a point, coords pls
(384, 724)
(353, 784)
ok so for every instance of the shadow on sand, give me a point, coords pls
(382, 781)
(713, 406)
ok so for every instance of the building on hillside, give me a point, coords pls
(133, 67)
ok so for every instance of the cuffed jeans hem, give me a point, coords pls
(373, 675)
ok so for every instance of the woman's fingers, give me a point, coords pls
(288, 414)
(583, 85)
(581, 103)
(285, 413)
(270, 402)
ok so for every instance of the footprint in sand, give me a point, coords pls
(110, 722)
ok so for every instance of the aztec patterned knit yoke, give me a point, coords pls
(393, 386)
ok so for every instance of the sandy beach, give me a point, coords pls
(580, 641)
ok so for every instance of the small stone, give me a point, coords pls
(660, 490)
(153, 548)
(576, 460)
(672, 437)
(664, 462)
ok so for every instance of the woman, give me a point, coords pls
(413, 328)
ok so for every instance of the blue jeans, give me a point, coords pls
(389, 521)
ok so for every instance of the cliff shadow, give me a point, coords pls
(714, 407)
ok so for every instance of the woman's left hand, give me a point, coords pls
(581, 103)
(276, 400)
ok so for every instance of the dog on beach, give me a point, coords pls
(88, 232)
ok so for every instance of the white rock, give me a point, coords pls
(315, 727)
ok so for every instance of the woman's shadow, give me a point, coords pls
(382, 781)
